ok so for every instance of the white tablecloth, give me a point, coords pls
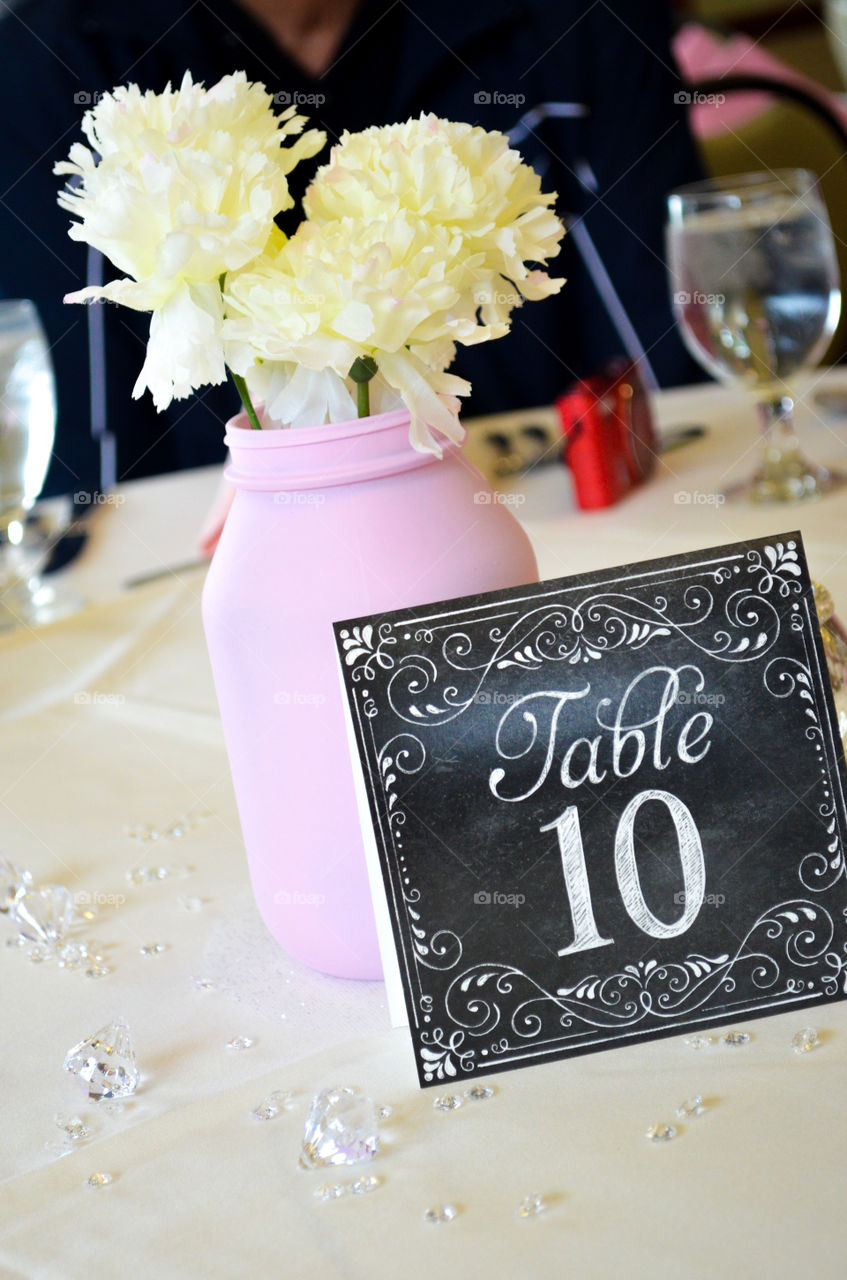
(110, 723)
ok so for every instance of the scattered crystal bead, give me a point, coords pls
(203, 984)
(699, 1042)
(240, 1042)
(270, 1107)
(447, 1102)
(153, 949)
(190, 904)
(176, 831)
(340, 1128)
(43, 915)
(330, 1191)
(14, 881)
(74, 1128)
(105, 1062)
(661, 1132)
(736, 1037)
(38, 953)
(441, 1213)
(72, 955)
(479, 1092)
(98, 971)
(363, 1186)
(531, 1206)
(806, 1040)
(691, 1107)
(98, 1180)
(384, 1113)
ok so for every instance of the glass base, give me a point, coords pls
(797, 480)
(32, 602)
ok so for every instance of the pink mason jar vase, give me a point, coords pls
(329, 522)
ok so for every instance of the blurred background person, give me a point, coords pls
(588, 93)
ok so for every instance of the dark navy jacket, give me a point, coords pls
(618, 143)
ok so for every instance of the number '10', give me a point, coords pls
(586, 934)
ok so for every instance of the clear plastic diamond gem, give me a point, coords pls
(152, 949)
(330, 1191)
(736, 1037)
(531, 1206)
(441, 1213)
(447, 1102)
(238, 1043)
(43, 915)
(105, 1062)
(363, 1186)
(384, 1113)
(98, 1179)
(691, 1107)
(203, 984)
(806, 1040)
(341, 1128)
(14, 881)
(98, 971)
(479, 1092)
(699, 1042)
(661, 1132)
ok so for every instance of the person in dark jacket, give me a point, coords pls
(586, 93)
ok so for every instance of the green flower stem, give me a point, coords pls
(361, 371)
(241, 388)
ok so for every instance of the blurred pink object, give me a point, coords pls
(329, 523)
(213, 525)
(702, 55)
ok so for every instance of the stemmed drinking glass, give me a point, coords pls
(757, 297)
(27, 428)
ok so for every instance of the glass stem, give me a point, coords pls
(779, 438)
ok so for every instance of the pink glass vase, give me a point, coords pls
(328, 523)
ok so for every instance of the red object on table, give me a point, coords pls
(610, 444)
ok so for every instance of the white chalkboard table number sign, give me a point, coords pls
(606, 808)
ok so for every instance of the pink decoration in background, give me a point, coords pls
(329, 523)
(702, 55)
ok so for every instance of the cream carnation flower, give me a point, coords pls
(396, 289)
(177, 189)
(453, 176)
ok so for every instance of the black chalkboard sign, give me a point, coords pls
(607, 808)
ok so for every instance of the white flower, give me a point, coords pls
(397, 290)
(177, 189)
(453, 176)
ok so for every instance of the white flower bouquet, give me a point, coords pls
(416, 237)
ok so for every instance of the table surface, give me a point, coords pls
(110, 726)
